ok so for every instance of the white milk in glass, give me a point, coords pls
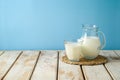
(73, 51)
(90, 47)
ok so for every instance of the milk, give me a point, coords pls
(73, 51)
(90, 47)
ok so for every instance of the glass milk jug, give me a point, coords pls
(92, 41)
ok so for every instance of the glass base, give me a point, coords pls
(74, 60)
(89, 57)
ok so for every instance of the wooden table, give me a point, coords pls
(47, 65)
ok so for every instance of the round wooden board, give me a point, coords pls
(98, 60)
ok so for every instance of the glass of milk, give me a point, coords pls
(92, 40)
(73, 50)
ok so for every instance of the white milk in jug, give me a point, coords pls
(90, 47)
(73, 51)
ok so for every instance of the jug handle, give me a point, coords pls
(103, 42)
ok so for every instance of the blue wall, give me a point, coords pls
(45, 24)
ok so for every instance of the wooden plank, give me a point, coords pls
(67, 71)
(110, 55)
(117, 52)
(1, 52)
(46, 68)
(23, 67)
(96, 72)
(6, 61)
(113, 65)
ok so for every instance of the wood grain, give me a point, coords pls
(1, 52)
(23, 67)
(47, 65)
(6, 61)
(110, 55)
(113, 65)
(96, 72)
(46, 68)
(67, 71)
(117, 52)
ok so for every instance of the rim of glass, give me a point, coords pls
(69, 41)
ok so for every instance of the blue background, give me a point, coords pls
(45, 24)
